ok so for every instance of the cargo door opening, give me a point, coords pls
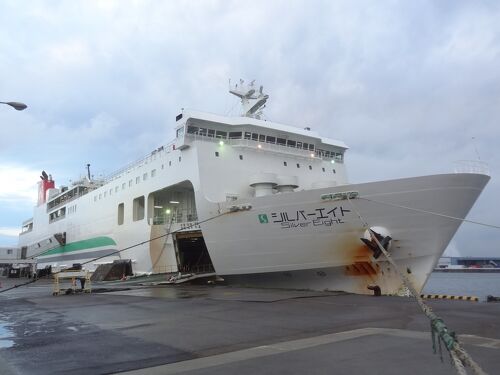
(169, 209)
(192, 253)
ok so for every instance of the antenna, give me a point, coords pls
(252, 102)
(475, 147)
(88, 171)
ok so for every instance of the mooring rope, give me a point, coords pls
(460, 358)
(431, 213)
(124, 249)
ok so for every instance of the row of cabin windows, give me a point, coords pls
(278, 141)
(284, 163)
(145, 176)
(250, 136)
(207, 132)
(329, 154)
(58, 214)
(217, 155)
(138, 210)
(124, 185)
(310, 167)
(264, 139)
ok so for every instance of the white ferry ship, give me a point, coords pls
(256, 202)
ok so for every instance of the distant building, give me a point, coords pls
(468, 262)
(444, 262)
(9, 253)
(476, 262)
(8, 256)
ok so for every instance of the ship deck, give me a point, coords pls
(202, 329)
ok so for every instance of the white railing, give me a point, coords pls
(472, 166)
(188, 218)
(166, 149)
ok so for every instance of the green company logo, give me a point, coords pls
(263, 219)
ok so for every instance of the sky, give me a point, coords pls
(411, 87)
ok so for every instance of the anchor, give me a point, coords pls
(385, 241)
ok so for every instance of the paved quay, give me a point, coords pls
(202, 329)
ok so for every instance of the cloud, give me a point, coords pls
(73, 54)
(405, 85)
(18, 184)
(9, 232)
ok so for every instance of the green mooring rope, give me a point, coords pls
(439, 332)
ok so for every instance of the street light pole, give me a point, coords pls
(16, 105)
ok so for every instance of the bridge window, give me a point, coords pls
(270, 139)
(255, 137)
(221, 134)
(281, 141)
(192, 129)
(291, 143)
(211, 133)
(235, 135)
(262, 138)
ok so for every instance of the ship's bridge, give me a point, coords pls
(255, 133)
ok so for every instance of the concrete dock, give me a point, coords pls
(202, 329)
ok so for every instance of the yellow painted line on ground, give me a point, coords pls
(445, 296)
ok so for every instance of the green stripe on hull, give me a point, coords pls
(81, 245)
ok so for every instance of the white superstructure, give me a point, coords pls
(252, 200)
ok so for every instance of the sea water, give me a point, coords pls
(464, 284)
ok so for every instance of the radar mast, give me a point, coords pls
(252, 102)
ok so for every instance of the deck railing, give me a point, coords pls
(472, 166)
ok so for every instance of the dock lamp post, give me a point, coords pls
(16, 105)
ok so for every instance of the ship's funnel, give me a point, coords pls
(44, 185)
(263, 183)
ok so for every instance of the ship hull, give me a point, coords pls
(298, 240)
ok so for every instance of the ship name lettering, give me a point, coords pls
(305, 218)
